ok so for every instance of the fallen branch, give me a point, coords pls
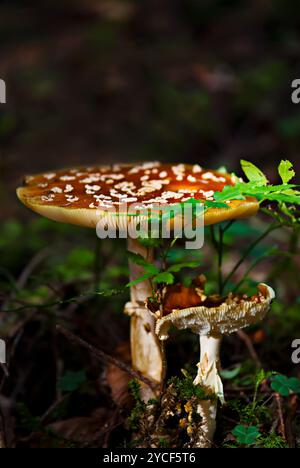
(102, 356)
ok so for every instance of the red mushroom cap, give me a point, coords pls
(78, 195)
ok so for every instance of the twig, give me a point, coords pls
(220, 259)
(35, 261)
(5, 431)
(53, 407)
(245, 338)
(289, 422)
(4, 368)
(32, 265)
(218, 245)
(114, 422)
(271, 228)
(102, 356)
(280, 414)
(247, 272)
(228, 225)
(2, 432)
(113, 292)
(164, 368)
(274, 424)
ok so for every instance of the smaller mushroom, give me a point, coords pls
(211, 319)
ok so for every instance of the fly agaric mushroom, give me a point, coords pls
(212, 318)
(83, 195)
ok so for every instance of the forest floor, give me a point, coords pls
(55, 392)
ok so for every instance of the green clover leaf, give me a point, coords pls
(284, 385)
(246, 435)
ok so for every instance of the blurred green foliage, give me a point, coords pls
(71, 381)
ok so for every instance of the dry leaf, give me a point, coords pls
(117, 379)
(82, 429)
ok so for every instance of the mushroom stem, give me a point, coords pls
(145, 346)
(208, 377)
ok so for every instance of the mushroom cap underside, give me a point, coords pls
(224, 319)
(84, 196)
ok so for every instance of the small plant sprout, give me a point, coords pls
(95, 196)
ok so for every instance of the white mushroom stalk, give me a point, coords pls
(146, 351)
(208, 377)
(211, 323)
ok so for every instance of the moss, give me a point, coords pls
(139, 406)
(186, 389)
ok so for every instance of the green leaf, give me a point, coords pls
(294, 384)
(150, 242)
(253, 173)
(286, 172)
(71, 381)
(137, 259)
(141, 261)
(179, 266)
(284, 198)
(251, 188)
(284, 385)
(246, 435)
(215, 204)
(280, 385)
(284, 193)
(152, 269)
(164, 277)
(231, 373)
(144, 277)
(229, 192)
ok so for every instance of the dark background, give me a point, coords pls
(100, 81)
